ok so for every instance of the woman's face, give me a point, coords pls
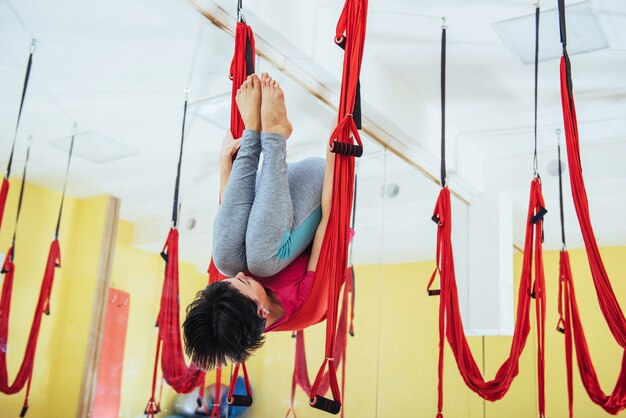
(248, 287)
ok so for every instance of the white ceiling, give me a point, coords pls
(119, 69)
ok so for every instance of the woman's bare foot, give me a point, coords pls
(249, 102)
(273, 110)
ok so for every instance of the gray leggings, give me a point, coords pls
(266, 221)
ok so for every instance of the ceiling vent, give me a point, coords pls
(583, 33)
(215, 110)
(95, 147)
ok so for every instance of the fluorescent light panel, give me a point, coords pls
(583, 33)
(95, 147)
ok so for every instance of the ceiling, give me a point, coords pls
(119, 69)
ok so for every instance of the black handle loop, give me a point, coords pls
(343, 148)
(33, 47)
(240, 400)
(538, 216)
(325, 404)
(176, 205)
(434, 292)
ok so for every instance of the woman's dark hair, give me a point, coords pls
(222, 324)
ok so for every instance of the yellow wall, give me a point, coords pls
(140, 273)
(61, 349)
(392, 361)
(405, 372)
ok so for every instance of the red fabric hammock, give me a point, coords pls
(4, 192)
(331, 269)
(613, 403)
(568, 308)
(451, 324)
(609, 305)
(25, 373)
(300, 377)
(182, 378)
(242, 65)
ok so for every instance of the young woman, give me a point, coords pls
(267, 233)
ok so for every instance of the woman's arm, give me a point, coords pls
(327, 197)
(229, 148)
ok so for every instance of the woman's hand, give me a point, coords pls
(230, 146)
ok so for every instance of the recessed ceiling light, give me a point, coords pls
(583, 34)
(215, 110)
(95, 147)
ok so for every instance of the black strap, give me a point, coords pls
(33, 46)
(537, 13)
(563, 31)
(356, 111)
(240, 17)
(21, 198)
(558, 134)
(249, 57)
(67, 172)
(443, 103)
(180, 160)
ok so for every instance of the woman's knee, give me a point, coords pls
(262, 265)
(228, 261)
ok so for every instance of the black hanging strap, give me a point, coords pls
(33, 46)
(356, 111)
(180, 160)
(240, 17)
(444, 28)
(558, 139)
(67, 172)
(537, 13)
(21, 198)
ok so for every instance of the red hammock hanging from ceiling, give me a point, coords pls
(323, 300)
(242, 65)
(568, 307)
(25, 373)
(175, 372)
(450, 321)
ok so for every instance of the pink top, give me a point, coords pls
(291, 287)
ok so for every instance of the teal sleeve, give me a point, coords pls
(295, 241)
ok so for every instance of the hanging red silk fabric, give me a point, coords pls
(570, 322)
(25, 373)
(181, 377)
(450, 321)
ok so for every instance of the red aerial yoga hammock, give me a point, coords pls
(450, 321)
(4, 189)
(25, 373)
(175, 372)
(242, 65)
(300, 375)
(322, 302)
(332, 267)
(568, 308)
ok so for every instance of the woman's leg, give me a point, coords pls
(229, 227)
(286, 209)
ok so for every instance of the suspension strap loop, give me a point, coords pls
(561, 206)
(67, 172)
(21, 198)
(537, 13)
(444, 28)
(33, 47)
(176, 204)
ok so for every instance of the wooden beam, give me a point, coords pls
(221, 19)
(103, 281)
